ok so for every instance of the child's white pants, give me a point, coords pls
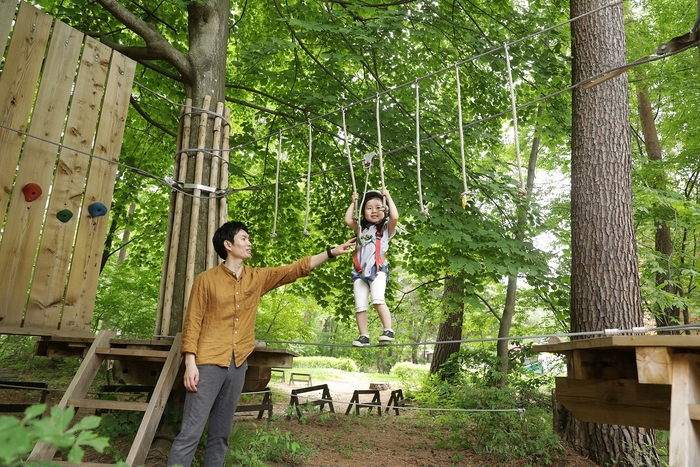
(376, 289)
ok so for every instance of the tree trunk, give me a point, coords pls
(662, 235)
(451, 327)
(604, 270)
(509, 307)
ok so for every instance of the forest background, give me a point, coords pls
(498, 223)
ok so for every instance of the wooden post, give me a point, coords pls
(213, 182)
(177, 223)
(684, 436)
(226, 155)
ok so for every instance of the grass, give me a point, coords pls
(329, 374)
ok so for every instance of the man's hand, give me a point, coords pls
(345, 248)
(191, 373)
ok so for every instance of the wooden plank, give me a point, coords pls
(77, 389)
(17, 87)
(601, 364)
(665, 340)
(151, 419)
(616, 402)
(24, 331)
(654, 365)
(49, 283)
(694, 411)
(25, 219)
(269, 357)
(7, 15)
(89, 243)
(108, 405)
(133, 354)
(684, 436)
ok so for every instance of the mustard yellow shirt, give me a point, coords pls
(220, 319)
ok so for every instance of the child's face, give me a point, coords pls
(373, 210)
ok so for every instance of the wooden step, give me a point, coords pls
(141, 355)
(108, 404)
(82, 464)
(694, 411)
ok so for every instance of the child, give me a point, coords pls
(371, 272)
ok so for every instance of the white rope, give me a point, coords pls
(379, 143)
(273, 235)
(423, 210)
(523, 192)
(465, 193)
(308, 183)
(356, 208)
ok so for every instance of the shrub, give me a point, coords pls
(18, 437)
(253, 448)
(344, 364)
(410, 374)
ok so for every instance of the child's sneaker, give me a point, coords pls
(362, 341)
(387, 336)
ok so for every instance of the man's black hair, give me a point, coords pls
(372, 194)
(226, 232)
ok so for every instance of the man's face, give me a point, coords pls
(240, 248)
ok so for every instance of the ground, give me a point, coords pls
(406, 440)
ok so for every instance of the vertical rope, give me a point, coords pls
(273, 235)
(308, 182)
(522, 192)
(423, 211)
(379, 142)
(352, 170)
(465, 193)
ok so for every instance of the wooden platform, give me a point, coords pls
(644, 381)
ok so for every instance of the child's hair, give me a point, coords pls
(372, 194)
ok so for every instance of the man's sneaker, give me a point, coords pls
(362, 341)
(387, 336)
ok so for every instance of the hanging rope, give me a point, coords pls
(465, 193)
(352, 170)
(423, 210)
(522, 192)
(308, 182)
(273, 235)
(381, 155)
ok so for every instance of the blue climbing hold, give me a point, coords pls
(97, 209)
(64, 216)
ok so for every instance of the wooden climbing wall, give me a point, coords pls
(64, 100)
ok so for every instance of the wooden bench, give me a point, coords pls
(355, 400)
(301, 377)
(395, 401)
(280, 373)
(23, 386)
(325, 399)
(266, 404)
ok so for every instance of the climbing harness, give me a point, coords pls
(378, 258)
(522, 192)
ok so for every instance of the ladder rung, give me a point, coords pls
(109, 405)
(694, 411)
(82, 464)
(144, 355)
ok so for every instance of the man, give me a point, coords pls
(218, 335)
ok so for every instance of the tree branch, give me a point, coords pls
(157, 47)
(148, 118)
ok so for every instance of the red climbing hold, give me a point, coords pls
(31, 192)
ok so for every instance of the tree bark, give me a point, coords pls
(451, 328)
(604, 270)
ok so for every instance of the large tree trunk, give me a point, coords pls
(451, 326)
(604, 270)
(509, 307)
(662, 236)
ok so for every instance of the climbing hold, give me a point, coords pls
(97, 209)
(64, 216)
(31, 192)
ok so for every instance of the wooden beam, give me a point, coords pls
(108, 404)
(143, 355)
(684, 436)
(654, 365)
(269, 357)
(616, 402)
(665, 340)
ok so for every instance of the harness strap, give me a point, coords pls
(378, 259)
